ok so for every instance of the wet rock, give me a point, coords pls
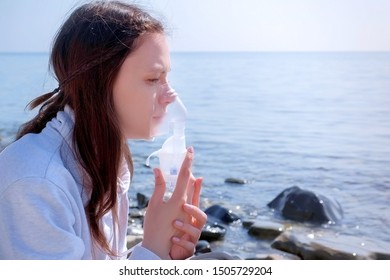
(291, 244)
(236, 181)
(276, 256)
(221, 213)
(134, 213)
(133, 240)
(202, 247)
(216, 256)
(380, 255)
(265, 229)
(212, 232)
(335, 247)
(135, 231)
(247, 223)
(2, 144)
(142, 201)
(305, 206)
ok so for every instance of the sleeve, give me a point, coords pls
(141, 253)
(36, 222)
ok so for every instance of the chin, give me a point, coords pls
(147, 135)
(138, 136)
(142, 134)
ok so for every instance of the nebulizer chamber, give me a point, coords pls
(173, 150)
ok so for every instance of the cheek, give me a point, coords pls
(122, 100)
(134, 108)
(141, 105)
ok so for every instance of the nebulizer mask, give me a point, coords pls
(173, 150)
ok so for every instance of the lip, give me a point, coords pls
(160, 115)
(158, 118)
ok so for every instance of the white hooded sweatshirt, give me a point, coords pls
(42, 200)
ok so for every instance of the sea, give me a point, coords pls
(320, 121)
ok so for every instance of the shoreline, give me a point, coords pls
(277, 239)
(295, 240)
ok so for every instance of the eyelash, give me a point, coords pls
(153, 81)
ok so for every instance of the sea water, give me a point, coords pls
(320, 121)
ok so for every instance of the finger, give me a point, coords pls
(196, 194)
(192, 231)
(159, 186)
(199, 215)
(184, 176)
(190, 189)
(185, 244)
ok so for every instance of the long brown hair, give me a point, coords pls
(87, 53)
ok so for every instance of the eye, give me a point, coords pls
(153, 81)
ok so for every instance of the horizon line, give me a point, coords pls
(232, 51)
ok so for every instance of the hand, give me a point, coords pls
(184, 244)
(160, 215)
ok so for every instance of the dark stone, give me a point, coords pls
(305, 206)
(247, 223)
(266, 230)
(221, 213)
(133, 240)
(142, 201)
(213, 232)
(135, 213)
(202, 247)
(274, 256)
(2, 145)
(335, 247)
(216, 256)
(236, 181)
(288, 243)
(380, 256)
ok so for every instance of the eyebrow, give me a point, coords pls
(159, 68)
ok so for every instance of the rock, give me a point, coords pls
(133, 240)
(213, 232)
(332, 247)
(289, 243)
(380, 255)
(266, 230)
(235, 181)
(305, 206)
(221, 213)
(135, 231)
(276, 256)
(142, 200)
(2, 146)
(202, 247)
(134, 213)
(216, 256)
(247, 223)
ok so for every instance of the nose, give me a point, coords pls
(167, 94)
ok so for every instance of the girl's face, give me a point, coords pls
(140, 91)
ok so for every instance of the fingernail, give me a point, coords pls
(179, 223)
(191, 149)
(175, 239)
(155, 172)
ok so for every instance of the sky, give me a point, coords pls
(222, 25)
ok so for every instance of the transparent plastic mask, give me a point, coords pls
(173, 150)
(175, 111)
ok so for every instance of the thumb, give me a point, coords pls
(159, 186)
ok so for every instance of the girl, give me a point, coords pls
(64, 181)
